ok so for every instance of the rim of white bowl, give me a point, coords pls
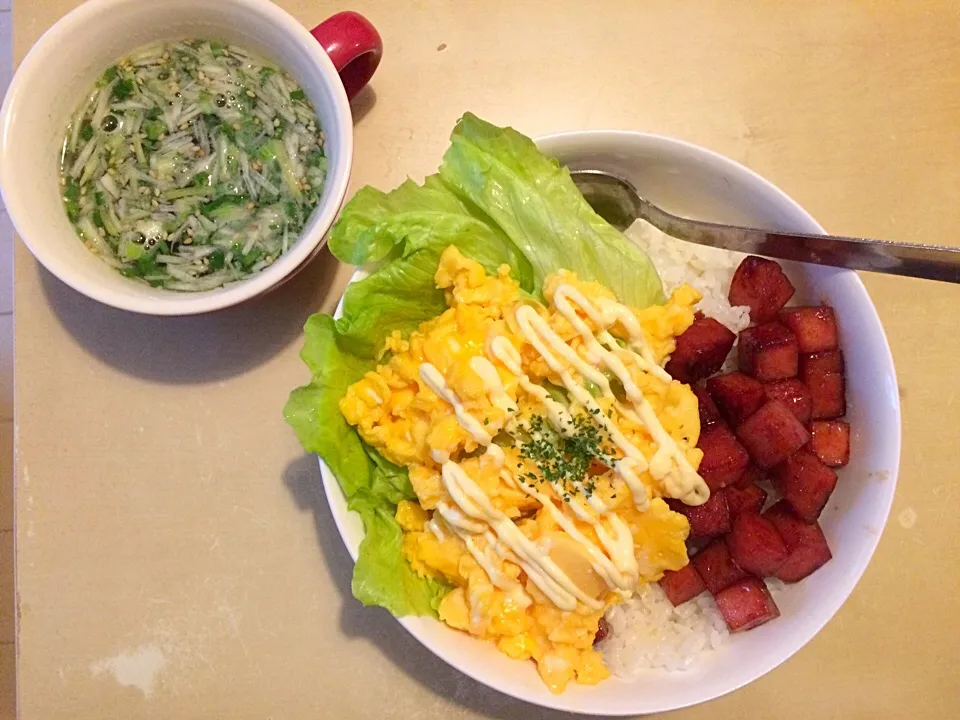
(342, 516)
(311, 239)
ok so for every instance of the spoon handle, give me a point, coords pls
(931, 262)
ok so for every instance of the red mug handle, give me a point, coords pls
(354, 46)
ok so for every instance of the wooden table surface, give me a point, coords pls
(174, 556)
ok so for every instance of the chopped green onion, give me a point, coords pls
(196, 153)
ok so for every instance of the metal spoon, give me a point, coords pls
(619, 203)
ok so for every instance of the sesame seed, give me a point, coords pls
(251, 93)
(188, 241)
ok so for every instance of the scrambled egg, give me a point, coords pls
(409, 423)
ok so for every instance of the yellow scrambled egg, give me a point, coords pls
(402, 417)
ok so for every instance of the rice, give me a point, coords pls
(708, 269)
(647, 632)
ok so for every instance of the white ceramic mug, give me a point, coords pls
(66, 61)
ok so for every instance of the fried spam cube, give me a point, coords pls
(737, 395)
(806, 484)
(746, 604)
(794, 394)
(768, 352)
(716, 566)
(744, 497)
(830, 441)
(829, 361)
(806, 546)
(814, 327)
(700, 350)
(827, 389)
(755, 545)
(772, 434)
(708, 520)
(682, 585)
(724, 458)
(752, 474)
(603, 629)
(760, 284)
(709, 413)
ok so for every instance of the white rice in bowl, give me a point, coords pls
(647, 632)
(708, 269)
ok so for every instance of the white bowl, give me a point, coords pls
(59, 71)
(687, 179)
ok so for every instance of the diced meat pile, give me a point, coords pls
(777, 422)
(701, 350)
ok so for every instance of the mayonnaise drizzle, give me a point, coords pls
(434, 526)
(538, 332)
(614, 311)
(495, 453)
(504, 351)
(490, 566)
(542, 571)
(457, 520)
(434, 379)
(669, 463)
(492, 384)
(618, 571)
(472, 514)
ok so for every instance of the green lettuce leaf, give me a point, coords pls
(500, 201)
(371, 484)
(375, 224)
(382, 575)
(406, 231)
(400, 296)
(534, 201)
(314, 412)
